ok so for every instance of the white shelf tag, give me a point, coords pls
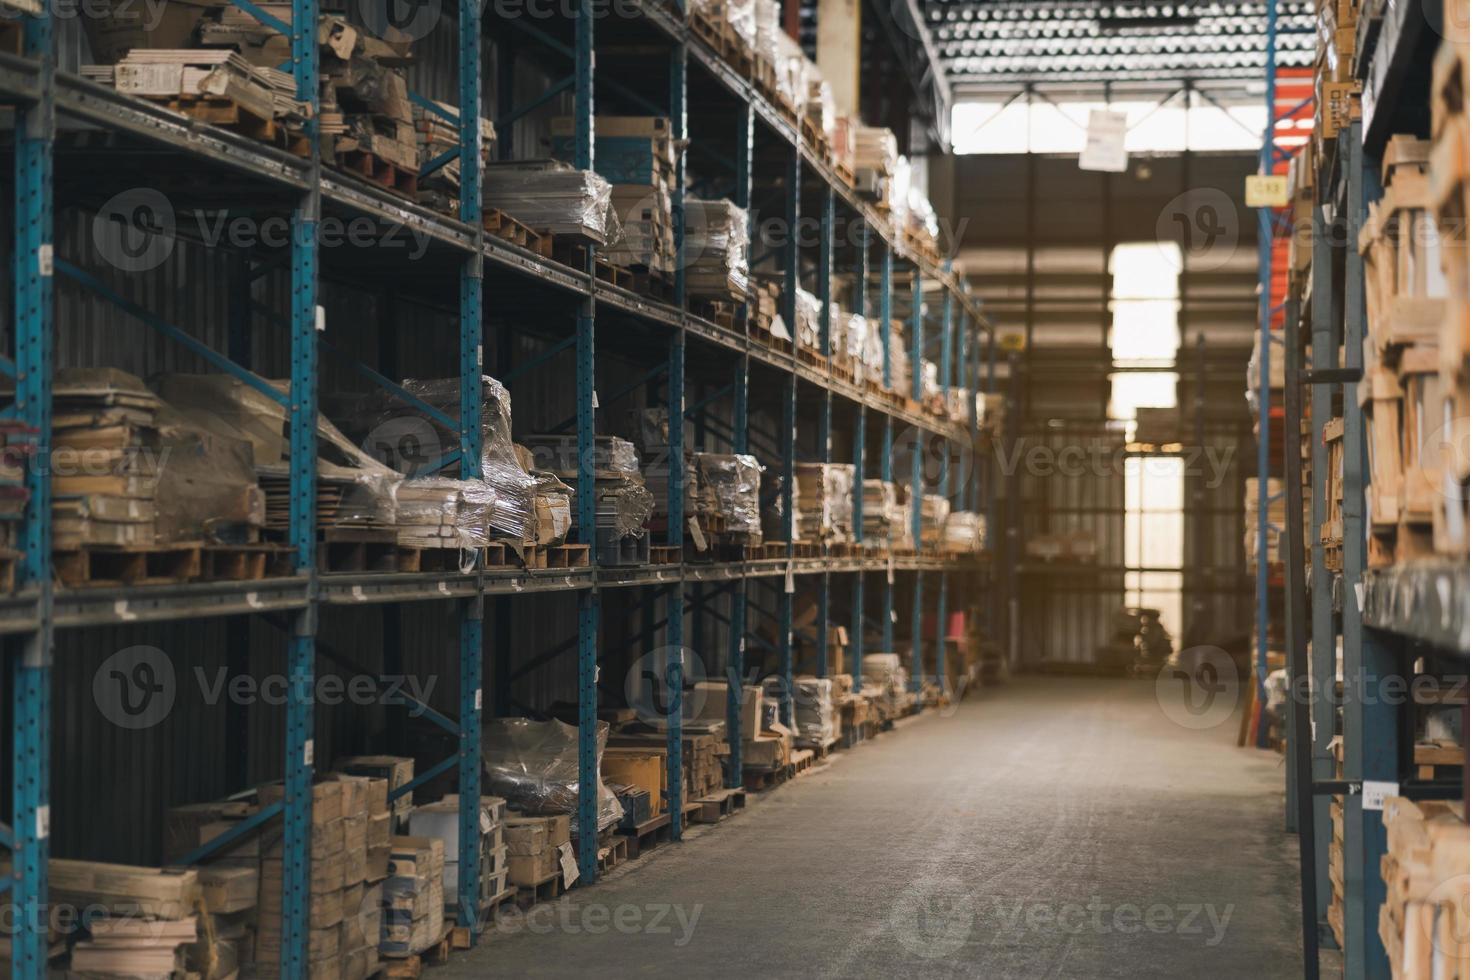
(252, 599)
(43, 821)
(479, 699)
(1358, 592)
(120, 608)
(46, 260)
(308, 752)
(321, 319)
(443, 588)
(358, 594)
(890, 569)
(486, 826)
(480, 357)
(595, 403)
(1375, 793)
(790, 578)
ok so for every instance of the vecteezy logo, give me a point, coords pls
(1205, 224)
(135, 230)
(407, 443)
(399, 20)
(655, 677)
(932, 920)
(135, 688)
(1199, 689)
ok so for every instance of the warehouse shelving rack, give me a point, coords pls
(1383, 618)
(482, 267)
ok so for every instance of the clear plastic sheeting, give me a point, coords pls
(623, 505)
(533, 765)
(555, 197)
(716, 248)
(813, 709)
(824, 501)
(880, 509)
(368, 489)
(440, 512)
(729, 485)
(808, 320)
(964, 532)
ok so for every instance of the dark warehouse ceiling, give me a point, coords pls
(994, 43)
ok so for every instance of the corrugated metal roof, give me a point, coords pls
(1000, 40)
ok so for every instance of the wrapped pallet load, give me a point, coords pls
(813, 709)
(533, 765)
(554, 197)
(728, 494)
(716, 244)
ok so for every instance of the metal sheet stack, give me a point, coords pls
(637, 156)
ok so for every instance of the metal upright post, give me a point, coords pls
(792, 260)
(300, 749)
(587, 600)
(29, 657)
(885, 460)
(945, 366)
(675, 593)
(1369, 721)
(859, 440)
(1326, 313)
(735, 672)
(916, 485)
(824, 423)
(471, 362)
(1263, 387)
(991, 499)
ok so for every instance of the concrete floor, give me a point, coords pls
(1048, 828)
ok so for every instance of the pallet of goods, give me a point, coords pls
(716, 242)
(823, 502)
(554, 198)
(1337, 92)
(637, 155)
(1449, 196)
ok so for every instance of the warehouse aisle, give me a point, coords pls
(1057, 828)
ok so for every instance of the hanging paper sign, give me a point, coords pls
(1107, 134)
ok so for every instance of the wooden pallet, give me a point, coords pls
(652, 283)
(548, 889)
(773, 549)
(375, 169)
(802, 761)
(245, 562)
(718, 806)
(229, 114)
(761, 334)
(568, 556)
(9, 562)
(352, 549)
(612, 853)
(412, 964)
(492, 910)
(759, 780)
(717, 311)
(12, 37)
(98, 565)
(665, 555)
(574, 254)
(812, 359)
(647, 835)
(502, 225)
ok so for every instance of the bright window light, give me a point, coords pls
(1042, 126)
(1142, 389)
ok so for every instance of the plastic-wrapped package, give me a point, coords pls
(930, 381)
(533, 764)
(767, 27)
(901, 532)
(820, 105)
(729, 485)
(656, 479)
(808, 320)
(933, 512)
(791, 70)
(964, 532)
(898, 357)
(716, 248)
(897, 194)
(612, 457)
(880, 509)
(623, 505)
(813, 709)
(825, 501)
(440, 512)
(552, 196)
(369, 490)
(741, 16)
(959, 404)
(207, 487)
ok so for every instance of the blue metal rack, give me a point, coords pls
(28, 621)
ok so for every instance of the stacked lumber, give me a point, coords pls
(823, 502)
(105, 460)
(716, 242)
(365, 106)
(413, 897)
(140, 919)
(1423, 918)
(933, 514)
(551, 197)
(1400, 392)
(964, 533)
(438, 133)
(637, 155)
(1449, 195)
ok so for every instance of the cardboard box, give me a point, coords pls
(326, 799)
(534, 868)
(710, 697)
(525, 836)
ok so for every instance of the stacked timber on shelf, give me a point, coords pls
(716, 240)
(880, 512)
(703, 748)
(437, 126)
(139, 921)
(1275, 517)
(1449, 192)
(1401, 392)
(1423, 921)
(637, 155)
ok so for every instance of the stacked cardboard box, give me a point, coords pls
(824, 502)
(438, 133)
(413, 897)
(637, 155)
(539, 848)
(553, 197)
(701, 751)
(874, 157)
(1338, 93)
(1276, 517)
(716, 242)
(396, 772)
(1449, 195)
(328, 880)
(813, 710)
(141, 919)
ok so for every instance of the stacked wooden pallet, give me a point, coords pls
(1423, 920)
(1449, 193)
(1338, 92)
(1400, 392)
